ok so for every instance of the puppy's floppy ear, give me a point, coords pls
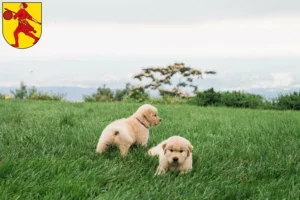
(190, 149)
(147, 114)
(164, 147)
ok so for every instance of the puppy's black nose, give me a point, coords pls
(160, 120)
(175, 159)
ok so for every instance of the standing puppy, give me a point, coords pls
(175, 153)
(133, 130)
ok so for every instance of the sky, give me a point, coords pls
(253, 45)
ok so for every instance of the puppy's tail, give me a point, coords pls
(113, 134)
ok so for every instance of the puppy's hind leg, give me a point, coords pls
(123, 141)
(105, 139)
(124, 148)
(101, 147)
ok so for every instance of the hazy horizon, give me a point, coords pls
(252, 45)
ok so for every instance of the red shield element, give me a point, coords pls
(8, 15)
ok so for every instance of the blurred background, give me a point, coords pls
(254, 46)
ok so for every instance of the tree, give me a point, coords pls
(121, 94)
(106, 94)
(161, 76)
(138, 94)
(2, 96)
(32, 92)
(102, 94)
(20, 93)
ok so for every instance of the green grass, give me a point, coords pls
(47, 151)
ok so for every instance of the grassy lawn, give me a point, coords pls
(47, 151)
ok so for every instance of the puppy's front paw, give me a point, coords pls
(149, 152)
(152, 152)
(185, 171)
(160, 171)
(144, 145)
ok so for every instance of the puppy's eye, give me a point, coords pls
(181, 151)
(171, 150)
(155, 115)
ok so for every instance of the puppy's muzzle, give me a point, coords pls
(175, 159)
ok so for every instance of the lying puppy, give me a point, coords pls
(175, 153)
(133, 130)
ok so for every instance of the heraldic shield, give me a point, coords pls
(21, 23)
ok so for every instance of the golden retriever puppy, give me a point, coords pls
(175, 153)
(128, 131)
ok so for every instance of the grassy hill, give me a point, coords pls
(47, 151)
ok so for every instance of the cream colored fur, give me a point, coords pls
(133, 130)
(175, 153)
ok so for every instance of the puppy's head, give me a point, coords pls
(177, 149)
(148, 114)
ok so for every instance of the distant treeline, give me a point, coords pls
(160, 78)
(32, 94)
(210, 97)
(238, 99)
